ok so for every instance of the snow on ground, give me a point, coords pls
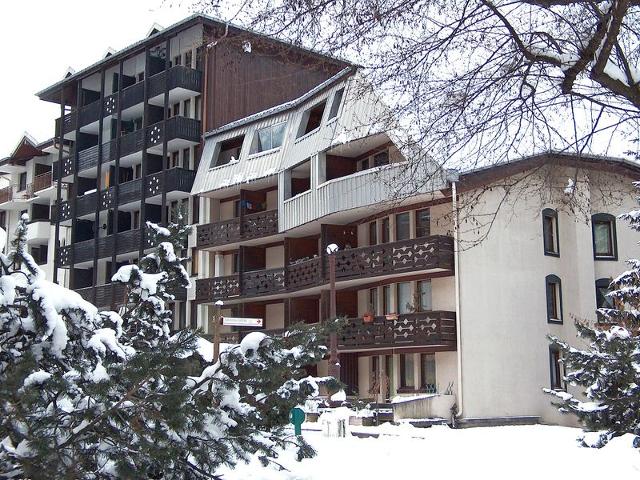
(409, 453)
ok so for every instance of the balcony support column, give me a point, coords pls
(116, 183)
(98, 184)
(144, 169)
(165, 137)
(59, 189)
(74, 196)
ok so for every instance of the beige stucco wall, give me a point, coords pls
(505, 356)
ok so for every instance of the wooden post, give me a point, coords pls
(216, 331)
(334, 361)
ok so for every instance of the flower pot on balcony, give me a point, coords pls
(368, 318)
(391, 316)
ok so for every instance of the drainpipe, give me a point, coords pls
(453, 177)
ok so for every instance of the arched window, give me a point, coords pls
(554, 299)
(603, 229)
(550, 232)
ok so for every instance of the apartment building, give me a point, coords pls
(276, 154)
(465, 327)
(134, 122)
(28, 187)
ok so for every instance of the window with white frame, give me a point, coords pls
(268, 138)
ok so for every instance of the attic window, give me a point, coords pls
(268, 138)
(335, 104)
(229, 150)
(311, 119)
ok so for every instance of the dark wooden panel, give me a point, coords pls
(240, 83)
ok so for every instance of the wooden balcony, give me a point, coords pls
(175, 128)
(434, 253)
(177, 180)
(435, 329)
(6, 194)
(41, 182)
(128, 241)
(177, 77)
(103, 294)
(254, 225)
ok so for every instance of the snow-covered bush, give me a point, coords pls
(610, 369)
(89, 394)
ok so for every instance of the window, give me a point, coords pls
(194, 261)
(381, 158)
(176, 109)
(373, 301)
(556, 370)
(404, 297)
(373, 233)
(423, 223)
(311, 119)
(3, 219)
(197, 109)
(187, 108)
(363, 164)
(236, 208)
(136, 219)
(385, 230)
(428, 372)
(175, 159)
(406, 371)
(137, 169)
(236, 263)
(403, 228)
(604, 236)
(186, 157)
(424, 296)
(193, 320)
(602, 290)
(335, 104)
(177, 60)
(554, 299)
(182, 315)
(229, 150)
(386, 299)
(195, 210)
(550, 232)
(22, 182)
(188, 59)
(268, 138)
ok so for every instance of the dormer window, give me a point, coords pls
(311, 119)
(228, 151)
(268, 138)
(381, 158)
(335, 104)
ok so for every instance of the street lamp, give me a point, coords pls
(216, 330)
(334, 361)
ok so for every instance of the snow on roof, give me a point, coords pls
(155, 28)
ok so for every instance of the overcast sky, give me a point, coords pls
(40, 38)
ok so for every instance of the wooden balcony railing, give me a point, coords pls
(435, 328)
(84, 251)
(415, 255)
(254, 225)
(177, 77)
(420, 329)
(177, 180)
(6, 194)
(42, 181)
(103, 294)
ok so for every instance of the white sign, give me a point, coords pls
(241, 322)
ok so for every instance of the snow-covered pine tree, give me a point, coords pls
(88, 394)
(610, 369)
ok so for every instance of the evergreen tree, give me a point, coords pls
(610, 369)
(88, 394)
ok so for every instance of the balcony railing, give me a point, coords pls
(177, 77)
(420, 329)
(434, 328)
(128, 241)
(420, 254)
(182, 128)
(6, 194)
(41, 182)
(254, 225)
(103, 294)
(177, 180)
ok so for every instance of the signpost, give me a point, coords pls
(242, 322)
(296, 416)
